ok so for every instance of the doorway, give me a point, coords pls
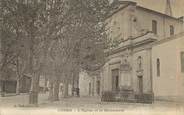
(140, 84)
(98, 87)
(115, 80)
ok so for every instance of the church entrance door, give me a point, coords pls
(115, 80)
(140, 84)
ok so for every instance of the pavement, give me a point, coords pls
(89, 104)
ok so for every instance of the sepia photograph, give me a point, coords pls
(92, 57)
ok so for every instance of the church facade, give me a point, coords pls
(144, 61)
(129, 73)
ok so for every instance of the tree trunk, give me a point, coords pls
(73, 85)
(50, 91)
(56, 91)
(2, 88)
(18, 87)
(66, 88)
(76, 83)
(18, 77)
(33, 97)
(45, 86)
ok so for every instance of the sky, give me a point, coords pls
(159, 5)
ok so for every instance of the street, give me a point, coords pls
(87, 104)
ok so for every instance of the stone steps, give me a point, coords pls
(126, 96)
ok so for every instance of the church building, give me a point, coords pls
(146, 58)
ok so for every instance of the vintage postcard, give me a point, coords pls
(123, 57)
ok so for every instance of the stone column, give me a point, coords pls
(149, 62)
(126, 71)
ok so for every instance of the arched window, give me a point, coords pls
(158, 67)
(154, 26)
(171, 30)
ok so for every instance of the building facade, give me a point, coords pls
(167, 66)
(137, 36)
(129, 73)
(90, 84)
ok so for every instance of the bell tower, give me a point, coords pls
(168, 9)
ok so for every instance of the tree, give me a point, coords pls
(85, 36)
(12, 41)
(58, 37)
(81, 33)
(24, 20)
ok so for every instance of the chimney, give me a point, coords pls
(168, 9)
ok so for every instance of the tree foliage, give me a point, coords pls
(53, 37)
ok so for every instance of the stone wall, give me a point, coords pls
(135, 20)
(170, 83)
(88, 84)
(145, 17)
